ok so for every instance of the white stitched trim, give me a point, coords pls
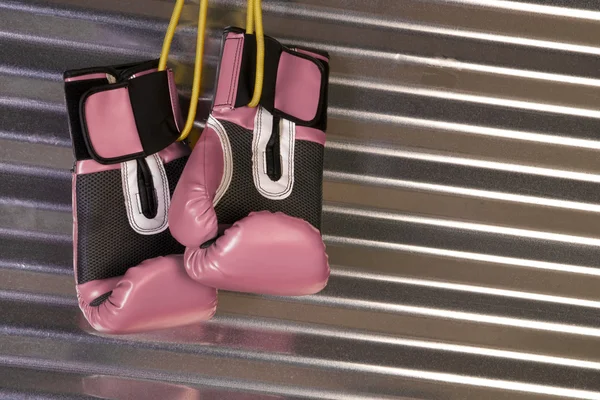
(137, 220)
(227, 158)
(263, 127)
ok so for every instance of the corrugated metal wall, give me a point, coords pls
(462, 210)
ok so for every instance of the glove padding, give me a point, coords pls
(156, 294)
(266, 253)
(291, 261)
(255, 175)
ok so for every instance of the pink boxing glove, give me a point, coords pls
(124, 121)
(248, 204)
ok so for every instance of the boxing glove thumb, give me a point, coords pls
(156, 294)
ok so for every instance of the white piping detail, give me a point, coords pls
(227, 158)
(263, 127)
(137, 220)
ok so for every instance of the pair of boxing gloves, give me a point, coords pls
(158, 230)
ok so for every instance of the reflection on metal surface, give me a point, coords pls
(110, 387)
(462, 214)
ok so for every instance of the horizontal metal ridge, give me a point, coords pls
(461, 211)
(274, 346)
(60, 385)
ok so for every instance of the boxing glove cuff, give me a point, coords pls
(123, 112)
(295, 80)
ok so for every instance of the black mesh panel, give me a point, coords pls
(242, 197)
(106, 244)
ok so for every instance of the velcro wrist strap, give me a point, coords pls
(295, 80)
(136, 116)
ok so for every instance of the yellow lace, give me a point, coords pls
(253, 23)
(164, 55)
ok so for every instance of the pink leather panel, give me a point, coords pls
(315, 55)
(292, 262)
(111, 125)
(175, 101)
(174, 152)
(310, 134)
(213, 160)
(90, 166)
(298, 87)
(143, 73)
(90, 291)
(231, 61)
(243, 116)
(192, 218)
(99, 75)
(157, 294)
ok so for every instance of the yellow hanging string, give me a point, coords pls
(254, 21)
(164, 55)
(250, 18)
